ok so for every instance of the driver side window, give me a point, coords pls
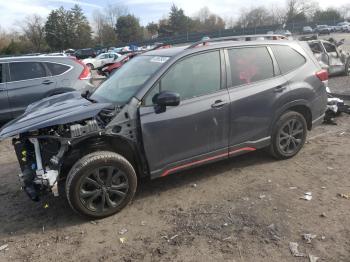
(192, 77)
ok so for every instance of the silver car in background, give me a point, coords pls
(24, 80)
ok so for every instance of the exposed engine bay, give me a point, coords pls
(41, 153)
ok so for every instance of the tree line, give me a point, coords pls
(115, 25)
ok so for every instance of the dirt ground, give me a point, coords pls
(244, 209)
(247, 208)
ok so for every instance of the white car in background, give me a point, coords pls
(101, 60)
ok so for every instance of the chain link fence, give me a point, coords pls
(188, 37)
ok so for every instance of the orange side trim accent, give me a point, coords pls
(167, 172)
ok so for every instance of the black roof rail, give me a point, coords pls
(240, 38)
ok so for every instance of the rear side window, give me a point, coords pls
(287, 58)
(250, 65)
(26, 70)
(57, 69)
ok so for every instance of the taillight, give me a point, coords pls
(86, 73)
(322, 75)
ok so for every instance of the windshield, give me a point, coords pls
(126, 81)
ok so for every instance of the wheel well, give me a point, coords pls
(305, 112)
(104, 143)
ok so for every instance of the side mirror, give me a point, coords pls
(164, 99)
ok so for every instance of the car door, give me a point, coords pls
(253, 89)
(28, 83)
(5, 110)
(194, 132)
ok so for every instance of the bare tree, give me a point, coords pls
(299, 8)
(113, 12)
(104, 31)
(33, 29)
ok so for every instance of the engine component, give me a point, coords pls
(80, 130)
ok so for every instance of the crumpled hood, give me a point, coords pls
(55, 110)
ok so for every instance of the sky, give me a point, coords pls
(11, 12)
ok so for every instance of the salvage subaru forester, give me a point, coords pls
(165, 111)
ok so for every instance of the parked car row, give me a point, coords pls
(326, 29)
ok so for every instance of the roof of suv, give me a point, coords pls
(214, 45)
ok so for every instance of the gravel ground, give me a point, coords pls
(247, 208)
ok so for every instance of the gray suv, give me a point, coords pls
(166, 111)
(24, 80)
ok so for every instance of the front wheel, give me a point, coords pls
(101, 184)
(288, 136)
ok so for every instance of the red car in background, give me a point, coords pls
(109, 69)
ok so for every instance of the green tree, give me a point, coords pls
(329, 15)
(67, 29)
(178, 21)
(128, 29)
(79, 28)
(152, 28)
(57, 33)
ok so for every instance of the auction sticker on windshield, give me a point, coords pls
(159, 59)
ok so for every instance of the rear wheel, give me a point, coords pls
(289, 135)
(101, 184)
(347, 68)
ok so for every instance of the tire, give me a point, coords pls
(282, 145)
(91, 66)
(113, 184)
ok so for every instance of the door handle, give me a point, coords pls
(279, 89)
(218, 104)
(47, 82)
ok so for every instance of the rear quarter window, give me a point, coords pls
(287, 58)
(249, 65)
(57, 69)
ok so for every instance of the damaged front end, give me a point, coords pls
(45, 133)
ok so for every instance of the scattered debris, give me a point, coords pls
(226, 238)
(342, 133)
(346, 196)
(43, 229)
(293, 247)
(171, 238)
(46, 205)
(225, 225)
(330, 168)
(3, 247)
(122, 240)
(293, 187)
(269, 181)
(66, 237)
(313, 258)
(323, 187)
(123, 231)
(143, 223)
(309, 237)
(93, 222)
(323, 237)
(323, 215)
(194, 185)
(262, 196)
(307, 196)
